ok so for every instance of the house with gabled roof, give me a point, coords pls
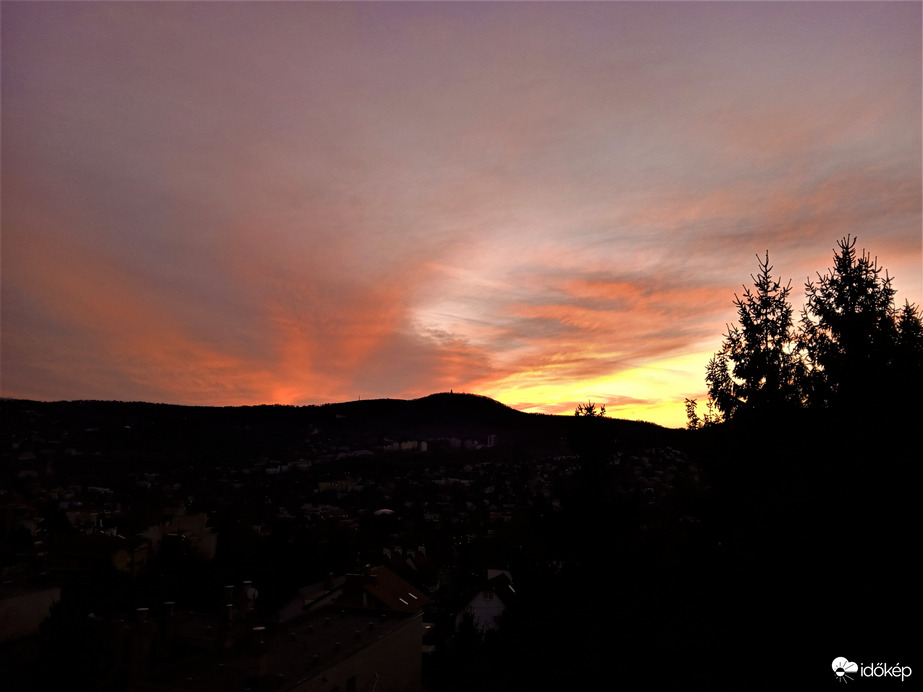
(381, 588)
(485, 605)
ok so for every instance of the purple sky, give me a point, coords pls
(299, 202)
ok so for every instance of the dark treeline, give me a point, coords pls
(813, 445)
(853, 353)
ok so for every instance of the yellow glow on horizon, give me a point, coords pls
(659, 389)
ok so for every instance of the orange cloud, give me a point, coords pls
(117, 329)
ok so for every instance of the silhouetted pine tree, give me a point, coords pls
(910, 330)
(849, 331)
(757, 369)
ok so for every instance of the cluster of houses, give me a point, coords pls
(62, 518)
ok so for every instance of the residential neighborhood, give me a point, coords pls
(248, 525)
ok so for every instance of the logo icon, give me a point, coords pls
(841, 667)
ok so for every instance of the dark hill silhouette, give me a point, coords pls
(159, 433)
(457, 414)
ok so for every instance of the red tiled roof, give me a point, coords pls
(389, 591)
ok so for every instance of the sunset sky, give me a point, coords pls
(228, 203)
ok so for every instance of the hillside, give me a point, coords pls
(157, 433)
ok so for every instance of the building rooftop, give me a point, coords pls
(381, 587)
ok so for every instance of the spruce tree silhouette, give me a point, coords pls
(756, 372)
(849, 329)
(908, 354)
